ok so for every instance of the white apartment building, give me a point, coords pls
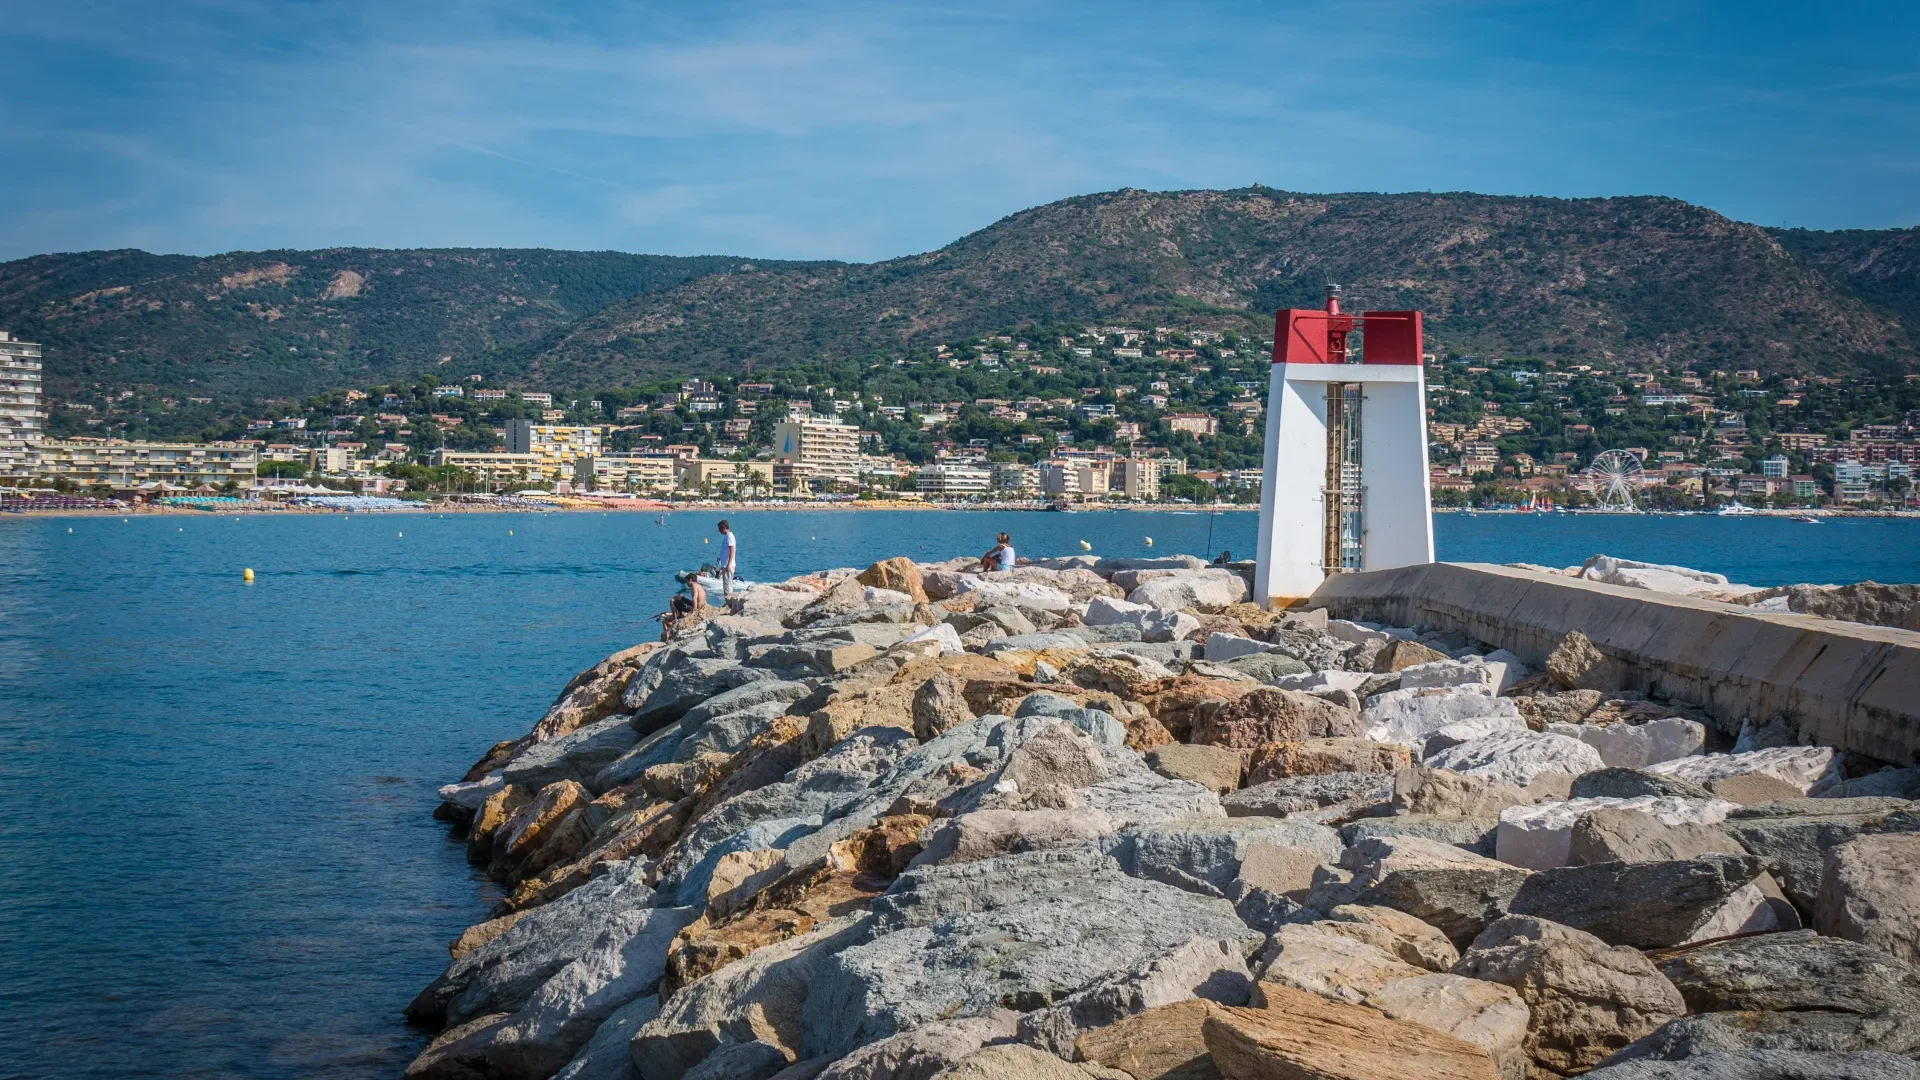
(558, 444)
(952, 479)
(651, 470)
(1015, 478)
(1065, 479)
(21, 414)
(817, 451)
(503, 470)
(124, 465)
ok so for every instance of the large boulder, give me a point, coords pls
(1796, 971)
(1486, 1014)
(1802, 766)
(1658, 577)
(1443, 793)
(1541, 837)
(1205, 855)
(1577, 664)
(1636, 746)
(1767, 1065)
(1614, 835)
(1797, 834)
(1161, 1043)
(924, 1051)
(1517, 757)
(1296, 1034)
(898, 574)
(1339, 967)
(1269, 715)
(1205, 590)
(1409, 716)
(1317, 757)
(1586, 999)
(576, 756)
(1612, 783)
(1154, 624)
(1212, 767)
(988, 591)
(1304, 794)
(1452, 889)
(1398, 655)
(1870, 892)
(1649, 905)
(1200, 971)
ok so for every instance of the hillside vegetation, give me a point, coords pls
(1644, 279)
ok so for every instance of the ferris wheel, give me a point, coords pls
(1615, 479)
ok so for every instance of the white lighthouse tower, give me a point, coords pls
(1345, 483)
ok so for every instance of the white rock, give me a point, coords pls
(1508, 668)
(1406, 716)
(1801, 766)
(1355, 633)
(1469, 672)
(1323, 680)
(471, 796)
(1537, 837)
(1516, 757)
(1154, 623)
(1224, 647)
(1112, 611)
(941, 634)
(1468, 730)
(1745, 912)
(1191, 589)
(1637, 746)
(1021, 594)
(1656, 577)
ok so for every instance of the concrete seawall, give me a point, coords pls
(1845, 685)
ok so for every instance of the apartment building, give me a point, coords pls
(504, 470)
(125, 465)
(21, 413)
(1068, 478)
(717, 473)
(953, 479)
(557, 444)
(817, 451)
(1137, 478)
(651, 470)
(1195, 424)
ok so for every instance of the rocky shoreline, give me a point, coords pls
(1104, 818)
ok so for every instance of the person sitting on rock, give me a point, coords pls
(689, 603)
(1000, 556)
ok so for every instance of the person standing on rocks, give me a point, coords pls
(1000, 557)
(729, 560)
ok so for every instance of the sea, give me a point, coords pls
(216, 851)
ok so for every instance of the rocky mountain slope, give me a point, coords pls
(1644, 279)
(1101, 818)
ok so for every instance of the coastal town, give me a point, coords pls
(1069, 415)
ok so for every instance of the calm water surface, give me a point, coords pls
(216, 858)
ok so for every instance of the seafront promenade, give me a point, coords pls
(1101, 817)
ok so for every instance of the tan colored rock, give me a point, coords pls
(585, 702)
(940, 703)
(1279, 869)
(1488, 1015)
(1163, 1043)
(528, 827)
(1299, 1036)
(559, 843)
(881, 850)
(480, 933)
(1267, 715)
(789, 910)
(1440, 792)
(1571, 707)
(1752, 789)
(854, 707)
(1011, 1061)
(1337, 966)
(1120, 674)
(985, 834)
(1578, 664)
(899, 574)
(1613, 835)
(1172, 701)
(1044, 771)
(1144, 733)
(494, 813)
(1256, 619)
(1398, 655)
(1318, 757)
(1586, 999)
(1211, 766)
(496, 757)
(1870, 893)
(1394, 932)
(738, 877)
(995, 696)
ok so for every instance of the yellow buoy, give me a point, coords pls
(1084, 546)
(509, 532)
(703, 540)
(1149, 541)
(246, 575)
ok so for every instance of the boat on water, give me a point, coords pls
(1807, 519)
(1735, 510)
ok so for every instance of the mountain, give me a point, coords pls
(1643, 279)
(293, 322)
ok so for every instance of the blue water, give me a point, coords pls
(216, 855)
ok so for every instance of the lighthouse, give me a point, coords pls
(1345, 482)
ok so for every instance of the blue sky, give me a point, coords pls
(865, 131)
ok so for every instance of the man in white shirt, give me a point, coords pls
(729, 557)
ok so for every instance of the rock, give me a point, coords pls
(1453, 890)
(1036, 950)
(1267, 715)
(1399, 655)
(1203, 970)
(1887, 783)
(1027, 596)
(1636, 746)
(1438, 792)
(937, 640)
(1212, 767)
(1224, 647)
(1752, 789)
(755, 999)
(1172, 701)
(1480, 727)
(856, 707)
(938, 705)
(1472, 671)
(1571, 707)
(1206, 855)
(553, 814)
(1657, 577)
(1318, 757)
(1826, 1033)
(1014, 1062)
(1486, 1014)
(1277, 868)
(1300, 794)
(1767, 1065)
(1616, 835)
(1586, 999)
(1648, 905)
(1049, 639)
(1577, 664)
(575, 756)
(1393, 932)
(1801, 766)
(898, 574)
(683, 683)
(1266, 667)
(984, 834)
(1154, 624)
(1301, 1035)
(1337, 966)
(1516, 757)
(1870, 893)
(1115, 672)
(1323, 680)
(1614, 783)
(1162, 1043)
(1795, 971)
(924, 1051)
(1407, 716)
(1797, 834)
(1541, 837)
(1206, 590)
(1475, 834)
(605, 1055)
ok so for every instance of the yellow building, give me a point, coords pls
(505, 470)
(715, 473)
(122, 465)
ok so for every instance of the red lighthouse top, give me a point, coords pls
(1307, 336)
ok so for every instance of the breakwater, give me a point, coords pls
(1101, 817)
